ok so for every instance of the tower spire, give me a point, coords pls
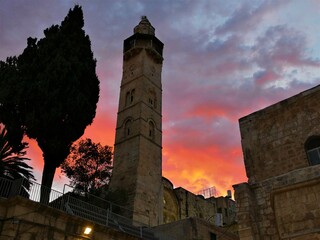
(144, 27)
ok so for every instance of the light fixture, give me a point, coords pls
(87, 230)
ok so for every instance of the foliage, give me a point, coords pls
(12, 162)
(88, 166)
(9, 91)
(54, 90)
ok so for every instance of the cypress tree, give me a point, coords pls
(58, 90)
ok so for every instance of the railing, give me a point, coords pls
(86, 205)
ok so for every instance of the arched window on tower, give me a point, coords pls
(132, 95)
(151, 129)
(152, 99)
(312, 147)
(127, 128)
(128, 98)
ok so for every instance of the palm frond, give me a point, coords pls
(12, 163)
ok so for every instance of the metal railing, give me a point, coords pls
(79, 204)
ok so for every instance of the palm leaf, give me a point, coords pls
(12, 163)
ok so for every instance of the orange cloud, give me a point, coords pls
(196, 169)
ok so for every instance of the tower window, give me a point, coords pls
(151, 129)
(127, 98)
(152, 98)
(132, 95)
(127, 128)
(312, 148)
(132, 67)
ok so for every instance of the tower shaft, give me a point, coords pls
(138, 143)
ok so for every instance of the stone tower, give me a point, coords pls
(138, 143)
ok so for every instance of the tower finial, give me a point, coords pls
(144, 26)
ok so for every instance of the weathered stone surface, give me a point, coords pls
(24, 219)
(138, 141)
(192, 229)
(181, 204)
(281, 198)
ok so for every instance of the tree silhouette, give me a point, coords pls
(88, 166)
(56, 90)
(9, 113)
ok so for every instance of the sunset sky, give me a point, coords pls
(222, 60)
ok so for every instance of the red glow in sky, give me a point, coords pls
(222, 61)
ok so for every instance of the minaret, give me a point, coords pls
(138, 143)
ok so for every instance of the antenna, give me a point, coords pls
(208, 192)
(229, 194)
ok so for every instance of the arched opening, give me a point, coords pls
(127, 98)
(152, 99)
(127, 128)
(151, 129)
(312, 147)
(170, 206)
(132, 95)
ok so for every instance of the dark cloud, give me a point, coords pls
(248, 16)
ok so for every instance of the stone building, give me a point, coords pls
(180, 204)
(281, 148)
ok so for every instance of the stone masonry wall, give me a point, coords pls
(194, 206)
(246, 209)
(192, 229)
(23, 219)
(283, 207)
(281, 198)
(273, 139)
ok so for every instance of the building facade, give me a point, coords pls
(281, 148)
(181, 204)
